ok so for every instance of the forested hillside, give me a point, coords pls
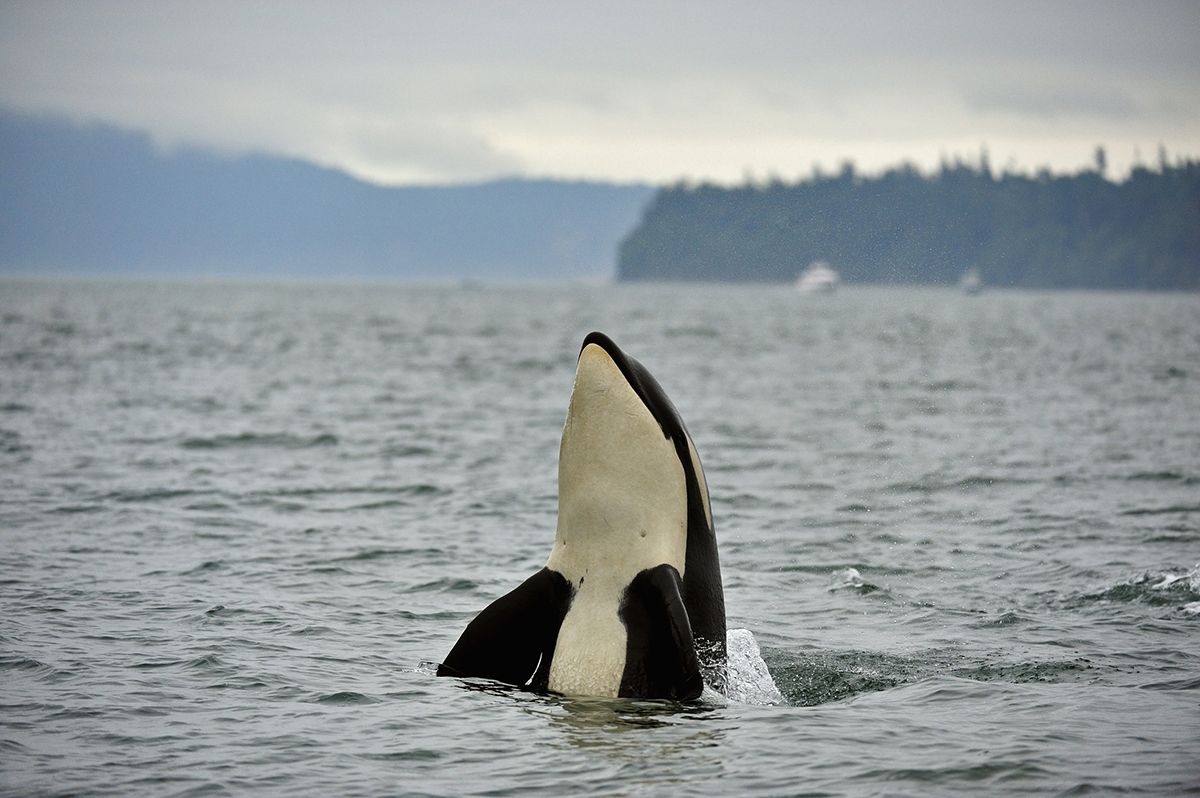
(907, 227)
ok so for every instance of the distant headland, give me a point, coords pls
(1014, 230)
(94, 200)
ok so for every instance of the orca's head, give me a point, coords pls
(630, 485)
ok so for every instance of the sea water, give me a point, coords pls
(959, 538)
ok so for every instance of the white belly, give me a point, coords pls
(589, 658)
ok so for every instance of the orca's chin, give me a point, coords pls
(619, 476)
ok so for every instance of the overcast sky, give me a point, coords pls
(458, 91)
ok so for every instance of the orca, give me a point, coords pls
(630, 602)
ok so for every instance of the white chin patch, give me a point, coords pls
(622, 508)
(622, 496)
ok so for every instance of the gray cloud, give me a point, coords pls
(411, 151)
(1048, 102)
(425, 91)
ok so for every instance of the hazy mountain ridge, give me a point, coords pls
(1058, 231)
(101, 200)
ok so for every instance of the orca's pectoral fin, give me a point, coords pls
(513, 639)
(667, 650)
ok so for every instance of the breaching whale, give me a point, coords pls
(630, 601)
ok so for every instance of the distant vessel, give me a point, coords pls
(971, 282)
(818, 278)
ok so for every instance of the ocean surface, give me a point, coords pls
(239, 524)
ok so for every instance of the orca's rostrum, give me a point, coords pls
(630, 601)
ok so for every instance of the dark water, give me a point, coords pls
(237, 521)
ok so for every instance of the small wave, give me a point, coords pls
(312, 631)
(383, 504)
(281, 440)
(203, 664)
(204, 567)
(75, 509)
(345, 697)
(1170, 373)
(1026, 672)
(851, 579)
(935, 484)
(438, 615)
(985, 773)
(1163, 476)
(208, 662)
(444, 585)
(1170, 509)
(153, 495)
(1189, 580)
(1189, 683)
(811, 678)
(62, 328)
(1001, 620)
(414, 489)
(808, 679)
(386, 553)
(697, 331)
(10, 442)
(401, 451)
(41, 670)
(1156, 588)
(942, 386)
(413, 755)
(155, 664)
(535, 365)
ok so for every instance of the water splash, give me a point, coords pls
(850, 579)
(1158, 589)
(1189, 581)
(747, 679)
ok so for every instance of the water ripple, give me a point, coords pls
(240, 523)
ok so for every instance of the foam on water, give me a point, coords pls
(1167, 588)
(1190, 580)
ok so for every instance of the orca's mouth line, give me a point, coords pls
(610, 348)
(651, 394)
(627, 370)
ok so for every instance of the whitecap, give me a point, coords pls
(1190, 580)
(846, 577)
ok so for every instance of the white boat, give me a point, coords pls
(971, 282)
(818, 278)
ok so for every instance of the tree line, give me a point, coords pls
(904, 226)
